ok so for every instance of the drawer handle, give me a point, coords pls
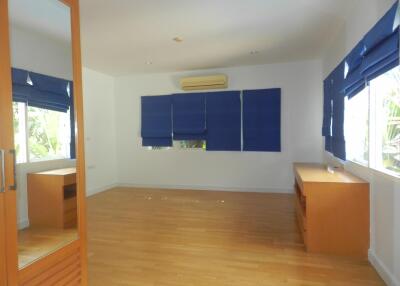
(13, 153)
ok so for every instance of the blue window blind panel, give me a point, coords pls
(327, 116)
(47, 100)
(328, 144)
(49, 84)
(354, 77)
(223, 121)
(382, 30)
(382, 58)
(262, 120)
(20, 87)
(45, 92)
(385, 66)
(49, 92)
(189, 116)
(19, 76)
(338, 141)
(353, 81)
(156, 121)
(354, 59)
(355, 89)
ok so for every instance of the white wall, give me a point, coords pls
(100, 139)
(37, 52)
(385, 190)
(301, 85)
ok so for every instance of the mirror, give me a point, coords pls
(41, 59)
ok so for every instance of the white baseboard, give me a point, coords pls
(23, 223)
(91, 192)
(208, 188)
(385, 274)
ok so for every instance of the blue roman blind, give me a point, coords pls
(383, 29)
(156, 121)
(327, 115)
(377, 53)
(262, 120)
(338, 140)
(382, 43)
(43, 91)
(49, 92)
(223, 121)
(20, 87)
(189, 116)
(353, 78)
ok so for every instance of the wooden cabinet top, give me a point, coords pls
(58, 172)
(318, 173)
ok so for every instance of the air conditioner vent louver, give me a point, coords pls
(204, 82)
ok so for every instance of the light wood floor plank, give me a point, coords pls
(180, 237)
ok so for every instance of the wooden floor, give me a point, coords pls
(182, 238)
(36, 242)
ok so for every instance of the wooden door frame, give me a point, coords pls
(8, 201)
(79, 134)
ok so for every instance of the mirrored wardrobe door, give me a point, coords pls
(43, 127)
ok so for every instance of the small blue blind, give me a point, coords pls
(262, 120)
(353, 81)
(355, 57)
(338, 141)
(327, 116)
(20, 87)
(44, 92)
(49, 92)
(382, 30)
(223, 121)
(156, 121)
(189, 116)
(382, 58)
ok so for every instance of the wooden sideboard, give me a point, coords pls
(332, 210)
(52, 198)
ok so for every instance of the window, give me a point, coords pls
(190, 144)
(40, 134)
(357, 128)
(385, 113)
(372, 124)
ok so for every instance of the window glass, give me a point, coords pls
(356, 127)
(190, 144)
(157, 148)
(385, 96)
(20, 131)
(48, 134)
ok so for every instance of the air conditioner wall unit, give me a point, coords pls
(204, 82)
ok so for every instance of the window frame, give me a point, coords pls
(372, 135)
(26, 143)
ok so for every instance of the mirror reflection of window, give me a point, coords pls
(43, 109)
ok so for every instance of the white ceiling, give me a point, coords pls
(48, 17)
(122, 36)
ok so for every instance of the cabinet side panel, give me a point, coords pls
(338, 219)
